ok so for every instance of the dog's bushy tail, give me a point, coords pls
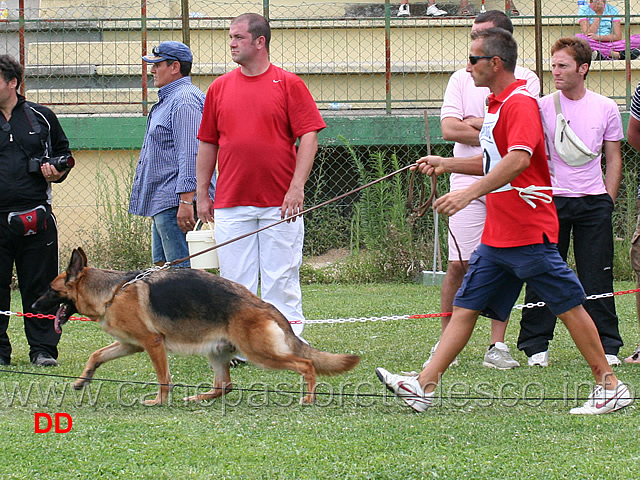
(327, 363)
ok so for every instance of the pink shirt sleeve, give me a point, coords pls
(452, 104)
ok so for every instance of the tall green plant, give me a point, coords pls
(120, 241)
(389, 243)
(380, 205)
(326, 227)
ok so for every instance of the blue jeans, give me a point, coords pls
(168, 242)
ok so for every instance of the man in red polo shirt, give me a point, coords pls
(252, 118)
(520, 234)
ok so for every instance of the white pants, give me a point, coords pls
(274, 255)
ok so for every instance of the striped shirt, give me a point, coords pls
(167, 164)
(635, 112)
(635, 104)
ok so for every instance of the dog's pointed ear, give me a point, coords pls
(85, 262)
(77, 263)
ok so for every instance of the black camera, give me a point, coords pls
(61, 163)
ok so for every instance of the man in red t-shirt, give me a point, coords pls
(252, 118)
(520, 234)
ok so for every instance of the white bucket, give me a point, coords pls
(199, 240)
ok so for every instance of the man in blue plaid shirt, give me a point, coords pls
(165, 180)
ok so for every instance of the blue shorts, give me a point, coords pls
(496, 275)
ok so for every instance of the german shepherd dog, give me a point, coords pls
(185, 311)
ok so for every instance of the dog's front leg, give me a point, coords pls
(105, 354)
(158, 354)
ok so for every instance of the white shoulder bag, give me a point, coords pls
(568, 145)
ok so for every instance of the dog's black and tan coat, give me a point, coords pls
(184, 311)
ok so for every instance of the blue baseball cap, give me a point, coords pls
(170, 51)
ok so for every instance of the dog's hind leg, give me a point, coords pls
(291, 362)
(105, 354)
(221, 379)
(266, 345)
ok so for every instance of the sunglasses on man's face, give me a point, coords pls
(473, 59)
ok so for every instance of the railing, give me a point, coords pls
(86, 59)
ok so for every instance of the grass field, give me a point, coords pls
(486, 424)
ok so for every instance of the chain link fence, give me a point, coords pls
(372, 73)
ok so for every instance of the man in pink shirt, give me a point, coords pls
(584, 200)
(461, 118)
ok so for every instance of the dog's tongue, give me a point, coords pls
(57, 325)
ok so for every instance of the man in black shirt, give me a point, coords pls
(31, 143)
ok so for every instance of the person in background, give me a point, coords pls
(165, 180)
(600, 27)
(34, 152)
(633, 137)
(509, 7)
(461, 119)
(432, 9)
(584, 199)
(464, 9)
(252, 118)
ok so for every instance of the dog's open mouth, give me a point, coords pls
(62, 315)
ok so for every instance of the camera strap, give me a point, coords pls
(36, 128)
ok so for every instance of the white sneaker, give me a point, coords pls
(541, 359)
(403, 11)
(605, 401)
(434, 11)
(634, 357)
(406, 388)
(499, 357)
(613, 360)
(433, 350)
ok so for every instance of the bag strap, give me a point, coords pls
(37, 128)
(35, 124)
(556, 102)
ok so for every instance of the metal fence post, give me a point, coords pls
(265, 9)
(143, 33)
(186, 28)
(21, 41)
(538, 43)
(387, 54)
(627, 39)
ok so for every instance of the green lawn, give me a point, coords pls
(487, 424)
